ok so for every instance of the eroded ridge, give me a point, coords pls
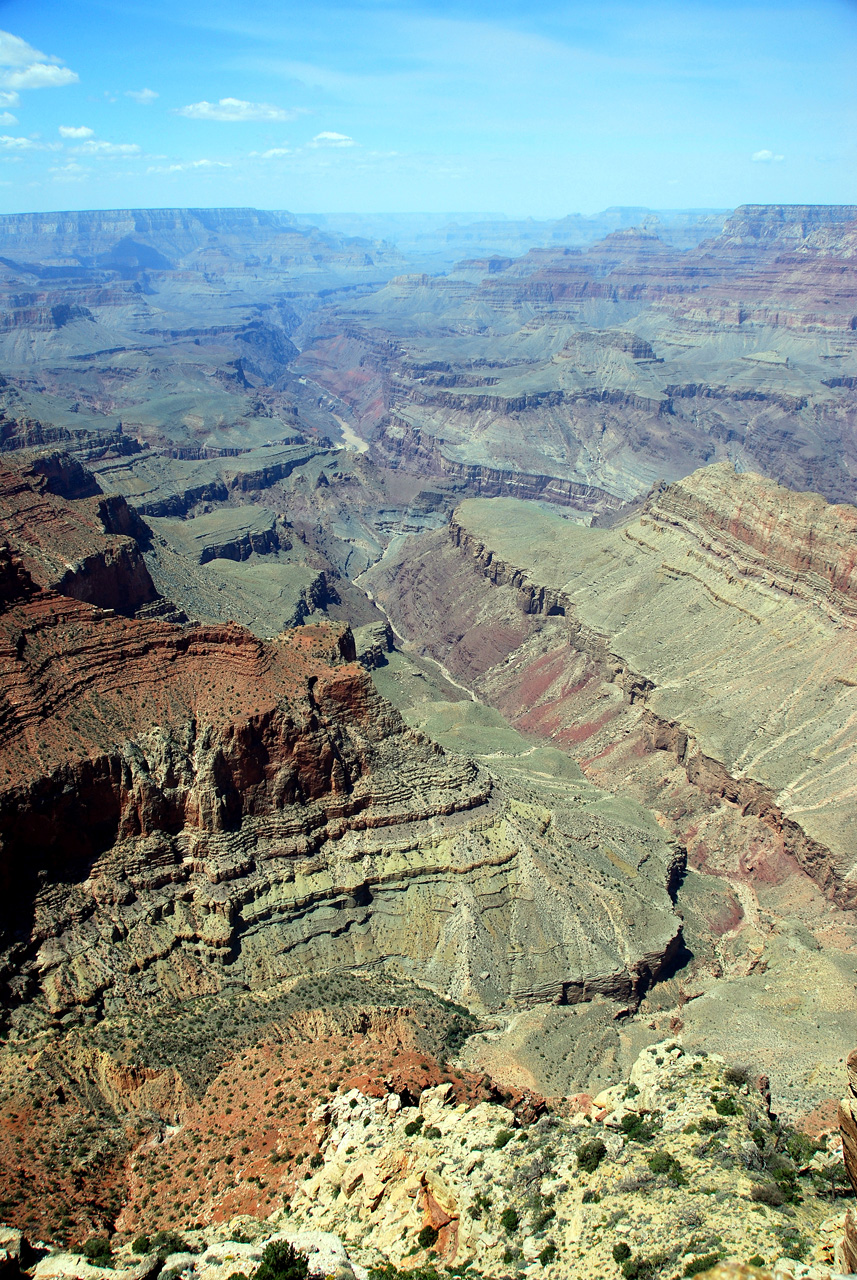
(188, 806)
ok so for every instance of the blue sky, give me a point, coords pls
(539, 109)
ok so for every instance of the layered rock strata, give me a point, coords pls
(188, 807)
(725, 611)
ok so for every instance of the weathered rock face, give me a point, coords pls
(848, 1130)
(186, 806)
(685, 610)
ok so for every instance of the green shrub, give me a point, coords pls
(281, 1261)
(590, 1155)
(663, 1162)
(140, 1245)
(704, 1263)
(621, 1251)
(316, 1161)
(97, 1250)
(636, 1129)
(502, 1137)
(711, 1124)
(632, 1091)
(756, 1261)
(428, 1236)
(726, 1106)
(509, 1220)
(548, 1253)
(414, 1126)
(591, 1197)
(800, 1147)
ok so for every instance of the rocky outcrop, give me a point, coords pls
(401, 444)
(847, 1252)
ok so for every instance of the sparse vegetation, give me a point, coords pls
(509, 1220)
(590, 1155)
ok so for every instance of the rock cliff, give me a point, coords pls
(686, 609)
(190, 806)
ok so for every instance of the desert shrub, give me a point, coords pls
(316, 1161)
(97, 1250)
(281, 1261)
(663, 1162)
(636, 1129)
(800, 1146)
(768, 1193)
(621, 1251)
(591, 1197)
(140, 1244)
(432, 1132)
(502, 1137)
(481, 1203)
(509, 1220)
(710, 1124)
(737, 1075)
(756, 1261)
(428, 1236)
(726, 1106)
(643, 1268)
(632, 1091)
(793, 1244)
(414, 1126)
(697, 1265)
(548, 1253)
(590, 1155)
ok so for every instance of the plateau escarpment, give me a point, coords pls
(725, 611)
(225, 810)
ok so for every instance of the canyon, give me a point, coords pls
(450, 672)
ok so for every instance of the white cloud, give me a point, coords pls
(15, 52)
(69, 173)
(143, 96)
(191, 164)
(41, 75)
(75, 131)
(234, 109)
(765, 157)
(28, 68)
(6, 117)
(328, 139)
(20, 144)
(108, 149)
(274, 152)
